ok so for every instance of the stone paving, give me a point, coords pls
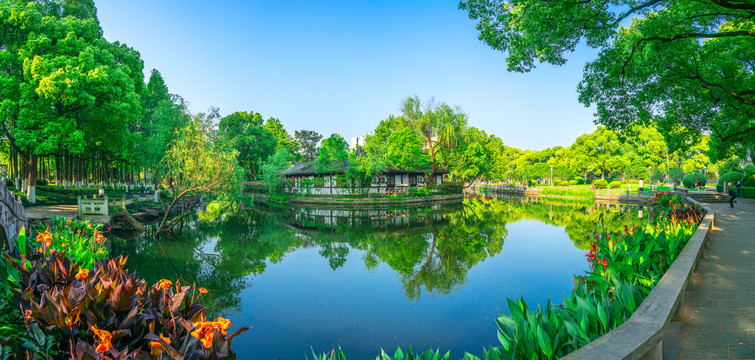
(722, 299)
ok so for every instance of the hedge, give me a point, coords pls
(614, 184)
(690, 180)
(68, 191)
(731, 176)
(600, 184)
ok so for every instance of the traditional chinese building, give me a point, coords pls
(307, 179)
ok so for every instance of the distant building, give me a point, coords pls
(356, 141)
(306, 179)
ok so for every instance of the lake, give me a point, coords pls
(365, 280)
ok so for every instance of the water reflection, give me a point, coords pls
(431, 249)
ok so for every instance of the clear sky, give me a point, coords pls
(342, 66)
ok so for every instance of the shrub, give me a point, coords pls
(41, 182)
(572, 182)
(106, 310)
(731, 176)
(575, 193)
(600, 184)
(614, 184)
(691, 179)
(748, 180)
(579, 180)
(448, 187)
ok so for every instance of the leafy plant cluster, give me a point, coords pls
(576, 193)
(95, 310)
(68, 191)
(669, 207)
(690, 180)
(600, 184)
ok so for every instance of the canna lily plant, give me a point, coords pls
(103, 312)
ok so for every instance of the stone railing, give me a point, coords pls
(12, 217)
(641, 337)
(93, 206)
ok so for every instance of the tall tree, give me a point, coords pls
(678, 62)
(308, 141)
(65, 88)
(246, 132)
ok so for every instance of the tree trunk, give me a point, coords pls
(32, 180)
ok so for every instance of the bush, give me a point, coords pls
(574, 193)
(448, 187)
(572, 182)
(748, 180)
(614, 184)
(748, 192)
(68, 191)
(600, 184)
(66, 305)
(41, 182)
(691, 179)
(731, 176)
(579, 180)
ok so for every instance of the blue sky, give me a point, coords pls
(342, 66)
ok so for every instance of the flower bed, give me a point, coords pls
(75, 302)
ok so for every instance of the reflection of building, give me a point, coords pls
(384, 219)
(307, 179)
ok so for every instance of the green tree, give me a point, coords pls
(683, 63)
(196, 163)
(308, 141)
(332, 154)
(64, 87)
(403, 150)
(247, 134)
(270, 170)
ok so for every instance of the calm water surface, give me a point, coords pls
(369, 279)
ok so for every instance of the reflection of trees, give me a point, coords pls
(434, 249)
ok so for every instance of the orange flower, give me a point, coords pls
(27, 314)
(68, 223)
(104, 338)
(39, 250)
(167, 340)
(204, 333)
(222, 325)
(155, 344)
(103, 347)
(202, 291)
(82, 274)
(165, 284)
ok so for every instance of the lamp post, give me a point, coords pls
(551, 176)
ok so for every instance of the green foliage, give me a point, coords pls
(600, 184)
(308, 141)
(132, 316)
(403, 150)
(690, 180)
(448, 187)
(573, 193)
(730, 177)
(671, 65)
(579, 180)
(573, 182)
(614, 184)
(748, 192)
(270, 171)
(332, 154)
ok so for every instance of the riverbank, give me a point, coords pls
(365, 201)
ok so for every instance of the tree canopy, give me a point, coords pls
(675, 63)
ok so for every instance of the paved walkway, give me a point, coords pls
(722, 301)
(48, 211)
